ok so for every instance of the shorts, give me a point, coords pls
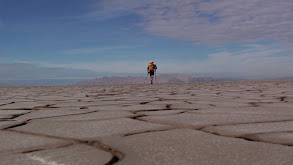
(152, 73)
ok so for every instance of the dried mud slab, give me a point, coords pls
(246, 129)
(18, 159)
(83, 103)
(189, 147)
(101, 115)
(24, 105)
(195, 120)
(277, 105)
(50, 113)
(13, 141)
(78, 154)
(6, 116)
(87, 130)
(9, 123)
(13, 112)
(247, 110)
(160, 112)
(131, 107)
(188, 106)
(285, 138)
(225, 103)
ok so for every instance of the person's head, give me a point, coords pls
(151, 62)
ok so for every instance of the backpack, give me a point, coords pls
(151, 68)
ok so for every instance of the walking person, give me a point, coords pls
(152, 70)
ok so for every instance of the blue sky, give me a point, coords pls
(249, 37)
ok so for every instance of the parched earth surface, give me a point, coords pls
(160, 124)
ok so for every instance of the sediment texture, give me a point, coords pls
(199, 123)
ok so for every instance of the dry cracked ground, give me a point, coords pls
(199, 123)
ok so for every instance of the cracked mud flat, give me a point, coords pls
(200, 123)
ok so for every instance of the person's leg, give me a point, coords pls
(151, 76)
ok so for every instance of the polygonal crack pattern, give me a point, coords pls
(199, 123)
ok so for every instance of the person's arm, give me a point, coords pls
(147, 69)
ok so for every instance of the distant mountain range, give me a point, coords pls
(22, 74)
(162, 78)
(22, 71)
(40, 82)
(284, 78)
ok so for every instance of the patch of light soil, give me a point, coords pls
(44, 161)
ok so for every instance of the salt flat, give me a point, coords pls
(248, 122)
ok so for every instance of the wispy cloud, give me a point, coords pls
(98, 66)
(257, 61)
(98, 12)
(82, 51)
(210, 22)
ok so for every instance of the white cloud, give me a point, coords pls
(82, 51)
(211, 22)
(259, 61)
